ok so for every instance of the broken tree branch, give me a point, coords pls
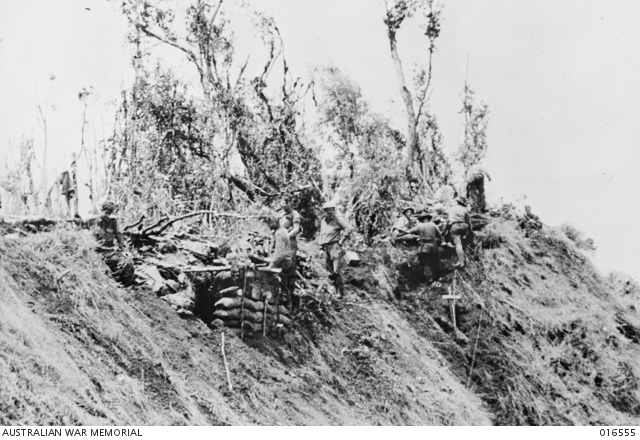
(155, 225)
(132, 225)
(193, 214)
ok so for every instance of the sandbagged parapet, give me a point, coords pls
(261, 302)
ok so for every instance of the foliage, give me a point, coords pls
(238, 133)
(578, 237)
(396, 12)
(368, 166)
(476, 120)
(174, 158)
(435, 166)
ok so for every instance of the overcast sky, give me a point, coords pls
(560, 78)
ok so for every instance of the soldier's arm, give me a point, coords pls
(346, 229)
(118, 234)
(295, 230)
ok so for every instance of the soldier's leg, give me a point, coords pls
(336, 262)
(338, 276)
(425, 261)
(457, 239)
(435, 263)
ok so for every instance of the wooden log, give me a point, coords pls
(35, 220)
(132, 225)
(193, 214)
(196, 269)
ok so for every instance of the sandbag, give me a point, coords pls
(253, 327)
(231, 314)
(254, 306)
(284, 320)
(230, 303)
(217, 323)
(230, 292)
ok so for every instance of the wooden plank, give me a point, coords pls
(269, 270)
(451, 297)
(206, 269)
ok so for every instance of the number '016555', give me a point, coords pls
(618, 432)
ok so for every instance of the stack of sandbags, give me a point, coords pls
(239, 312)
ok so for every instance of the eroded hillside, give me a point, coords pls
(543, 339)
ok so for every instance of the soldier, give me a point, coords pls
(475, 187)
(111, 245)
(530, 222)
(293, 228)
(459, 226)
(428, 253)
(281, 249)
(402, 224)
(334, 230)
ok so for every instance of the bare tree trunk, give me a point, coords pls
(412, 135)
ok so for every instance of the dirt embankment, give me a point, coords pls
(80, 350)
(543, 339)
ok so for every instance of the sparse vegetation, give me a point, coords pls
(578, 237)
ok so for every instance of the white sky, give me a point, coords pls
(561, 80)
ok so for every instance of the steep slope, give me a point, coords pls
(548, 340)
(542, 339)
(77, 349)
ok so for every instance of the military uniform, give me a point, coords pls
(530, 223)
(459, 226)
(330, 240)
(293, 218)
(428, 253)
(475, 187)
(110, 240)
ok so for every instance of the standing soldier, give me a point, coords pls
(334, 230)
(475, 187)
(292, 225)
(281, 252)
(428, 251)
(111, 244)
(459, 225)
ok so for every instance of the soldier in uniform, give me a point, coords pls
(292, 225)
(459, 226)
(475, 187)
(111, 245)
(530, 222)
(334, 230)
(428, 252)
(402, 224)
